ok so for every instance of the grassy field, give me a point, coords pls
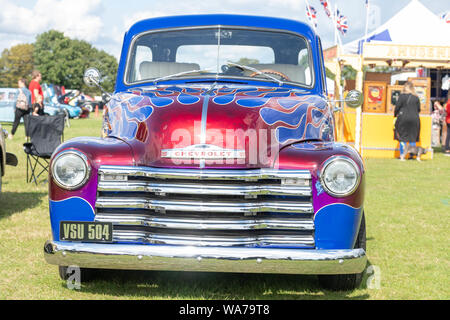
(407, 214)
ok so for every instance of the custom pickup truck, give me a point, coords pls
(218, 154)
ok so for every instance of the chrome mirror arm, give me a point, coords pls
(354, 99)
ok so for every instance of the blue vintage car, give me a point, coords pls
(219, 155)
(53, 107)
(7, 98)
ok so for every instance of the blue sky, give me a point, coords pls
(103, 22)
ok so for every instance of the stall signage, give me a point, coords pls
(383, 51)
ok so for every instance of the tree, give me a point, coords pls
(15, 63)
(62, 61)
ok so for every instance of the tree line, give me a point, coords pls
(61, 60)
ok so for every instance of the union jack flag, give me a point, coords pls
(341, 23)
(311, 13)
(326, 7)
(446, 17)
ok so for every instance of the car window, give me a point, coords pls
(178, 53)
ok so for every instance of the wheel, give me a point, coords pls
(89, 107)
(86, 274)
(1, 172)
(346, 282)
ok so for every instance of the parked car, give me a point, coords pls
(6, 158)
(7, 98)
(79, 99)
(52, 106)
(219, 155)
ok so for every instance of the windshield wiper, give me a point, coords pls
(280, 83)
(181, 74)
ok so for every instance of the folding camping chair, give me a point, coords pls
(45, 133)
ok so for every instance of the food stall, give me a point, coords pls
(370, 128)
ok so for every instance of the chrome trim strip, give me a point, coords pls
(182, 258)
(210, 241)
(198, 189)
(198, 174)
(201, 206)
(203, 126)
(204, 223)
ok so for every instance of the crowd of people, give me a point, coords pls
(29, 100)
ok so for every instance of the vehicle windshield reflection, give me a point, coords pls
(273, 56)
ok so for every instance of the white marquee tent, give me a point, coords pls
(415, 24)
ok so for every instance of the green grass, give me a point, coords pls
(407, 213)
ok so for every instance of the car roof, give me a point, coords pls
(221, 19)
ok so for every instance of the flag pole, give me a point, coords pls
(367, 23)
(335, 24)
(334, 20)
(335, 16)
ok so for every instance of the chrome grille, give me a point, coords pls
(260, 207)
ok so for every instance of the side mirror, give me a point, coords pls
(354, 99)
(92, 77)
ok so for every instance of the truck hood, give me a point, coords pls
(224, 127)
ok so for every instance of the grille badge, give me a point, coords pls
(202, 151)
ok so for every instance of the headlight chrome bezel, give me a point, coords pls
(332, 160)
(85, 160)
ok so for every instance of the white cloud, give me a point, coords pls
(76, 19)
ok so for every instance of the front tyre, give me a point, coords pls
(345, 282)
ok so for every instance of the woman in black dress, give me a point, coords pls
(407, 126)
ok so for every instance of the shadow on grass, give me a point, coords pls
(15, 202)
(209, 285)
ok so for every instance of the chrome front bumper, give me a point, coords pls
(182, 258)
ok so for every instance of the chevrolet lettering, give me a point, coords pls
(203, 152)
(218, 153)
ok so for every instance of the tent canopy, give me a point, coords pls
(415, 24)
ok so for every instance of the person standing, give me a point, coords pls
(447, 121)
(407, 125)
(37, 95)
(22, 105)
(438, 121)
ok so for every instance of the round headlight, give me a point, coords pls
(70, 169)
(340, 176)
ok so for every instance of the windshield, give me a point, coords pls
(220, 53)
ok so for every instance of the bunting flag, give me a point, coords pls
(311, 13)
(326, 7)
(446, 17)
(341, 23)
